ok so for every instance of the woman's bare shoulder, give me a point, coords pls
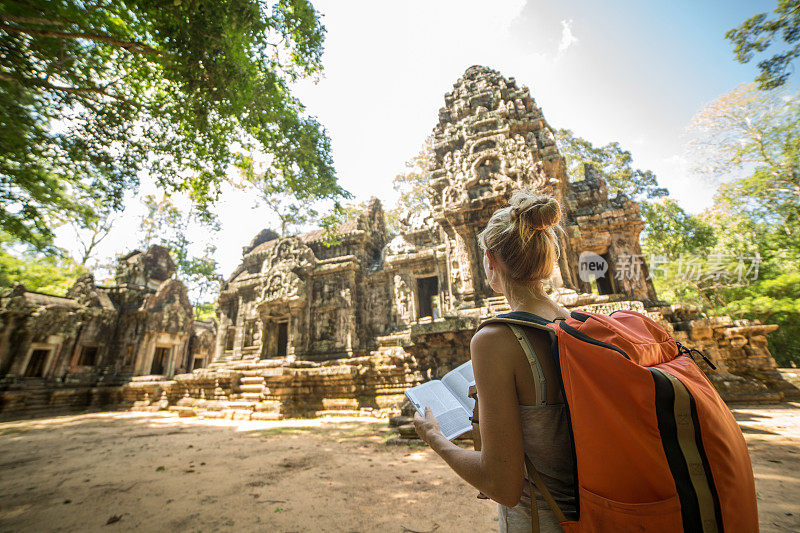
(492, 341)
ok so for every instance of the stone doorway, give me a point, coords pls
(36, 362)
(275, 340)
(230, 337)
(160, 358)
(605, 283)
(427, 296)
(88, 356)
(283, 338)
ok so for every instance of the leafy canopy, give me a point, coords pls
(612, 161)
(413, 188)
(760, 33)
(165, 223)
(748, 142)
(671, 231)
(752, 139)
(92, 93)
(36, 271)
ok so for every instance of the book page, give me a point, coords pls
(459, 381)
(453, 418)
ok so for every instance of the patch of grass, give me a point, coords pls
(160, 469)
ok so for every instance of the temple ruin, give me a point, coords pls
(78, 350)
(307, 329)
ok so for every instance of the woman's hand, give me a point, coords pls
(427, 427)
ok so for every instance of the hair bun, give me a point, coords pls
(533, 211)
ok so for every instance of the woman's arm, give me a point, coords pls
(496, 470)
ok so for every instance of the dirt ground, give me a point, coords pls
(132, 471)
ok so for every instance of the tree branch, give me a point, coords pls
(131, 46)
(31, 20)
(61, 88)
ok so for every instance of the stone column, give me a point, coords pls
(466, 289)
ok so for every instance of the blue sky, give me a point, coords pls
(633, 72)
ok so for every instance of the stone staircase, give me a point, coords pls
(252, 385)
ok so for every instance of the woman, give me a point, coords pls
(520, 252)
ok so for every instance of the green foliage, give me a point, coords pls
(750, 141)
(771, 298)
(613, 162)
(204, 311)
(671, 231)
(753, 134)
(47, 273)
(759, 33)
(775, 301)
(292, 210)
(166, 224)
(413, 189)
(754, 137)
(92, 93)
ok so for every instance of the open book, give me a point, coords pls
(448, 400)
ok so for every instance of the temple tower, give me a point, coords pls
(491, 139)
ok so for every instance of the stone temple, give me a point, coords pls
(295, 298)
(61, 352)
(305, 328)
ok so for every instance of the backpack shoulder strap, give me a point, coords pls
(530, 354)
(536, 367)
(541, 399)
(507, 320)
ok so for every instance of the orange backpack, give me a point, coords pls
(656, 448)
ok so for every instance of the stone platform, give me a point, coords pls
(276, 388)
(268, 389)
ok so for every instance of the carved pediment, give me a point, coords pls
(283, 286)
(288, 254)
(282, 269)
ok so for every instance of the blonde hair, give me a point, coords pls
(522, 235)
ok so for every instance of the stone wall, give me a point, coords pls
(73, 352)
(259, 390)
(374, 384)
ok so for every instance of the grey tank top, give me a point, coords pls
(545, 436)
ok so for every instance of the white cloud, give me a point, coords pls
(567, 37)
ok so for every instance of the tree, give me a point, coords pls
(612, 161)
(91, 93)
(413, 188)
(166, 224)
(671, 231)
(751, 138)
(759, 33)
(92, 231)
(293, 211)
(775, 301)
(748, 142)
(48, 273)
